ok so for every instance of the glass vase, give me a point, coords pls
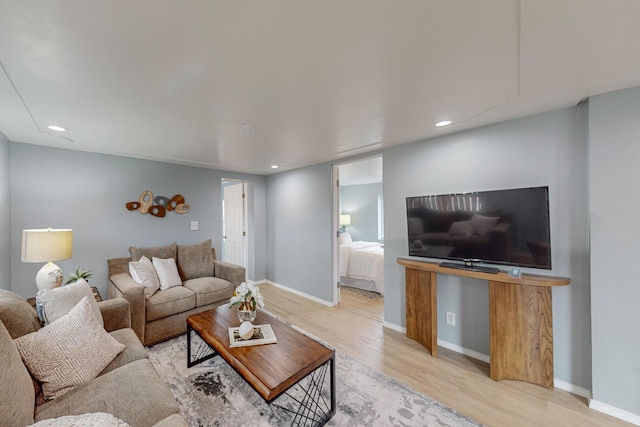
(245, 313)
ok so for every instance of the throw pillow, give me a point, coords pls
(142, 272)
(195, 260)
(461, 228)
(55, 303)
(96, 419)
(167, 272)
(69, 352)
(482, 224)
(167, 251)
(344, 238)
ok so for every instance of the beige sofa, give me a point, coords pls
(206, 283)
(129, 387)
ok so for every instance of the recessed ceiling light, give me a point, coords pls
(443, 123)
(274, 166)
(57, 128)
(247, 127)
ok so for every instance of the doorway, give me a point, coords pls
(234, 222)
(359, 216)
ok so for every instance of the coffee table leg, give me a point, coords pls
(314, 409)
(203, 351)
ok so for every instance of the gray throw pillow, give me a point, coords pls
(164, 252)
(195, 260)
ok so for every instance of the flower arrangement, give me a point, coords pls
(246, 297)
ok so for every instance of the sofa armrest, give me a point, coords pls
(115, 313)
(233, 273)
(123, 286)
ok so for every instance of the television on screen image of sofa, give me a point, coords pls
(508, 227)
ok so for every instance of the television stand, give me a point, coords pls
(520, 318)
(469, 266)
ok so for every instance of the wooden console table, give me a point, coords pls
(520, 319)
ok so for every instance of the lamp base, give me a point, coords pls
(50, 276)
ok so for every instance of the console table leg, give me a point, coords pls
(422, 312)
(521, 330)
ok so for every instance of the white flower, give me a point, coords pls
(247, 293)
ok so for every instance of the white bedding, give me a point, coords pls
(363, 260)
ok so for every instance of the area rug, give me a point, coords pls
(213, 394)
(361, 292)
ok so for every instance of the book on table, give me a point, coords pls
(262, 334)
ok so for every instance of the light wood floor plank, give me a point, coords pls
(355, 327)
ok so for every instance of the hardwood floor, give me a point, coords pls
(354, 327)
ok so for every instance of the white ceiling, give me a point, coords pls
(319, 80)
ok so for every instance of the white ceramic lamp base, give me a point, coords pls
(50, 276)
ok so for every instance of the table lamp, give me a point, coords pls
(345, 219)
(47, 245)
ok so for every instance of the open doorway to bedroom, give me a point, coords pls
(360, 237)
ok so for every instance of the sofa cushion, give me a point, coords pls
(167, 251)
(17, 397)
(209, 290)
(95, 419)
(18, 316)
(144, 274)
(167, 271)
(68, 352)
(133, 393)
(59, 301)
(168, 302)
(195, 260)
(133, 349)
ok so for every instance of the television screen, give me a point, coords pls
(497, 227)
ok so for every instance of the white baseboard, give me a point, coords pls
(297, 292)
(465, 351)
(627, 416)
(394, 327)
(572, 388)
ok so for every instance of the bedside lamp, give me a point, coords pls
(345, 219)
(47, 245)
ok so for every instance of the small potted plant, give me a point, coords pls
(77, 275)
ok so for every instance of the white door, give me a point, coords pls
(234, 235)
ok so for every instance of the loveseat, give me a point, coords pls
(128, 388)
(204, 283)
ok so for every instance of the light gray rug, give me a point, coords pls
(213, 394)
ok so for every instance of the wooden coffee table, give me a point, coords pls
(271, 369)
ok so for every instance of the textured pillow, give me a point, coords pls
(344, 238)
(68, 352)
(167, 272)
(96, 419)
(482, 224)
(461, 228)
(195, 260)
(57, 302)
(142, 272)
(167, 251)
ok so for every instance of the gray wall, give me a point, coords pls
(87, 192)
(300, 234)
(547, 149)
(361, 202)
(5, 216)
(614, 153)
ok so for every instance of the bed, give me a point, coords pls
(361, 264)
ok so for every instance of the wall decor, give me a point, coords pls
(158, 205)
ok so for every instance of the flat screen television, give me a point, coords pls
(509, 227)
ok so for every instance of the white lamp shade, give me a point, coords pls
(345, 219)
(43, 245)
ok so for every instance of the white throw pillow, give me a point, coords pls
(69, 352)
(345, 237)
(95, 419)
(461, 228)
(167, 271)
(57, 302)
(482, 224)
(142, 272)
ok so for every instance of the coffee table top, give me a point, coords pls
(270, 369)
